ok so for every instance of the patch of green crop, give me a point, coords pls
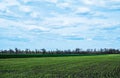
(42, 55)
(99, 66)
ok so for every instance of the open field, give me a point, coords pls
(98, 66)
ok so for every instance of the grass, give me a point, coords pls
(101, 66)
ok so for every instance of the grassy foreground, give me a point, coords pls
(101, 66)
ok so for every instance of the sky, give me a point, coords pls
(59, 24)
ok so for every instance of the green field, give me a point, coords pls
(98, 66)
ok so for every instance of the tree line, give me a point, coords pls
(57, 51)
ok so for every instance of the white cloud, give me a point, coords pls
(34, 14)
(25, 8)
(21, 25)
(83, 10)
(58, 21)
(7, 3)
(63, 5)
(94, 2)
(12, 2)
(106, 4)
(25, 1)
(2, 6)
(88, 2)
(52, 1)
(31, 27)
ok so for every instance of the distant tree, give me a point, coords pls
(57, 51)
(43, 51)
(77, 50)
(11, 51)
(16, 50)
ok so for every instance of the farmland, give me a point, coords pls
(96, 66)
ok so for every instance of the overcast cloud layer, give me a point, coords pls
(62, 24)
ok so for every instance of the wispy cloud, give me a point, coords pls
(41, 21)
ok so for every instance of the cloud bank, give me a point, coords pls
(60, 24)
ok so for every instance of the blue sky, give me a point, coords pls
(62, 24)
